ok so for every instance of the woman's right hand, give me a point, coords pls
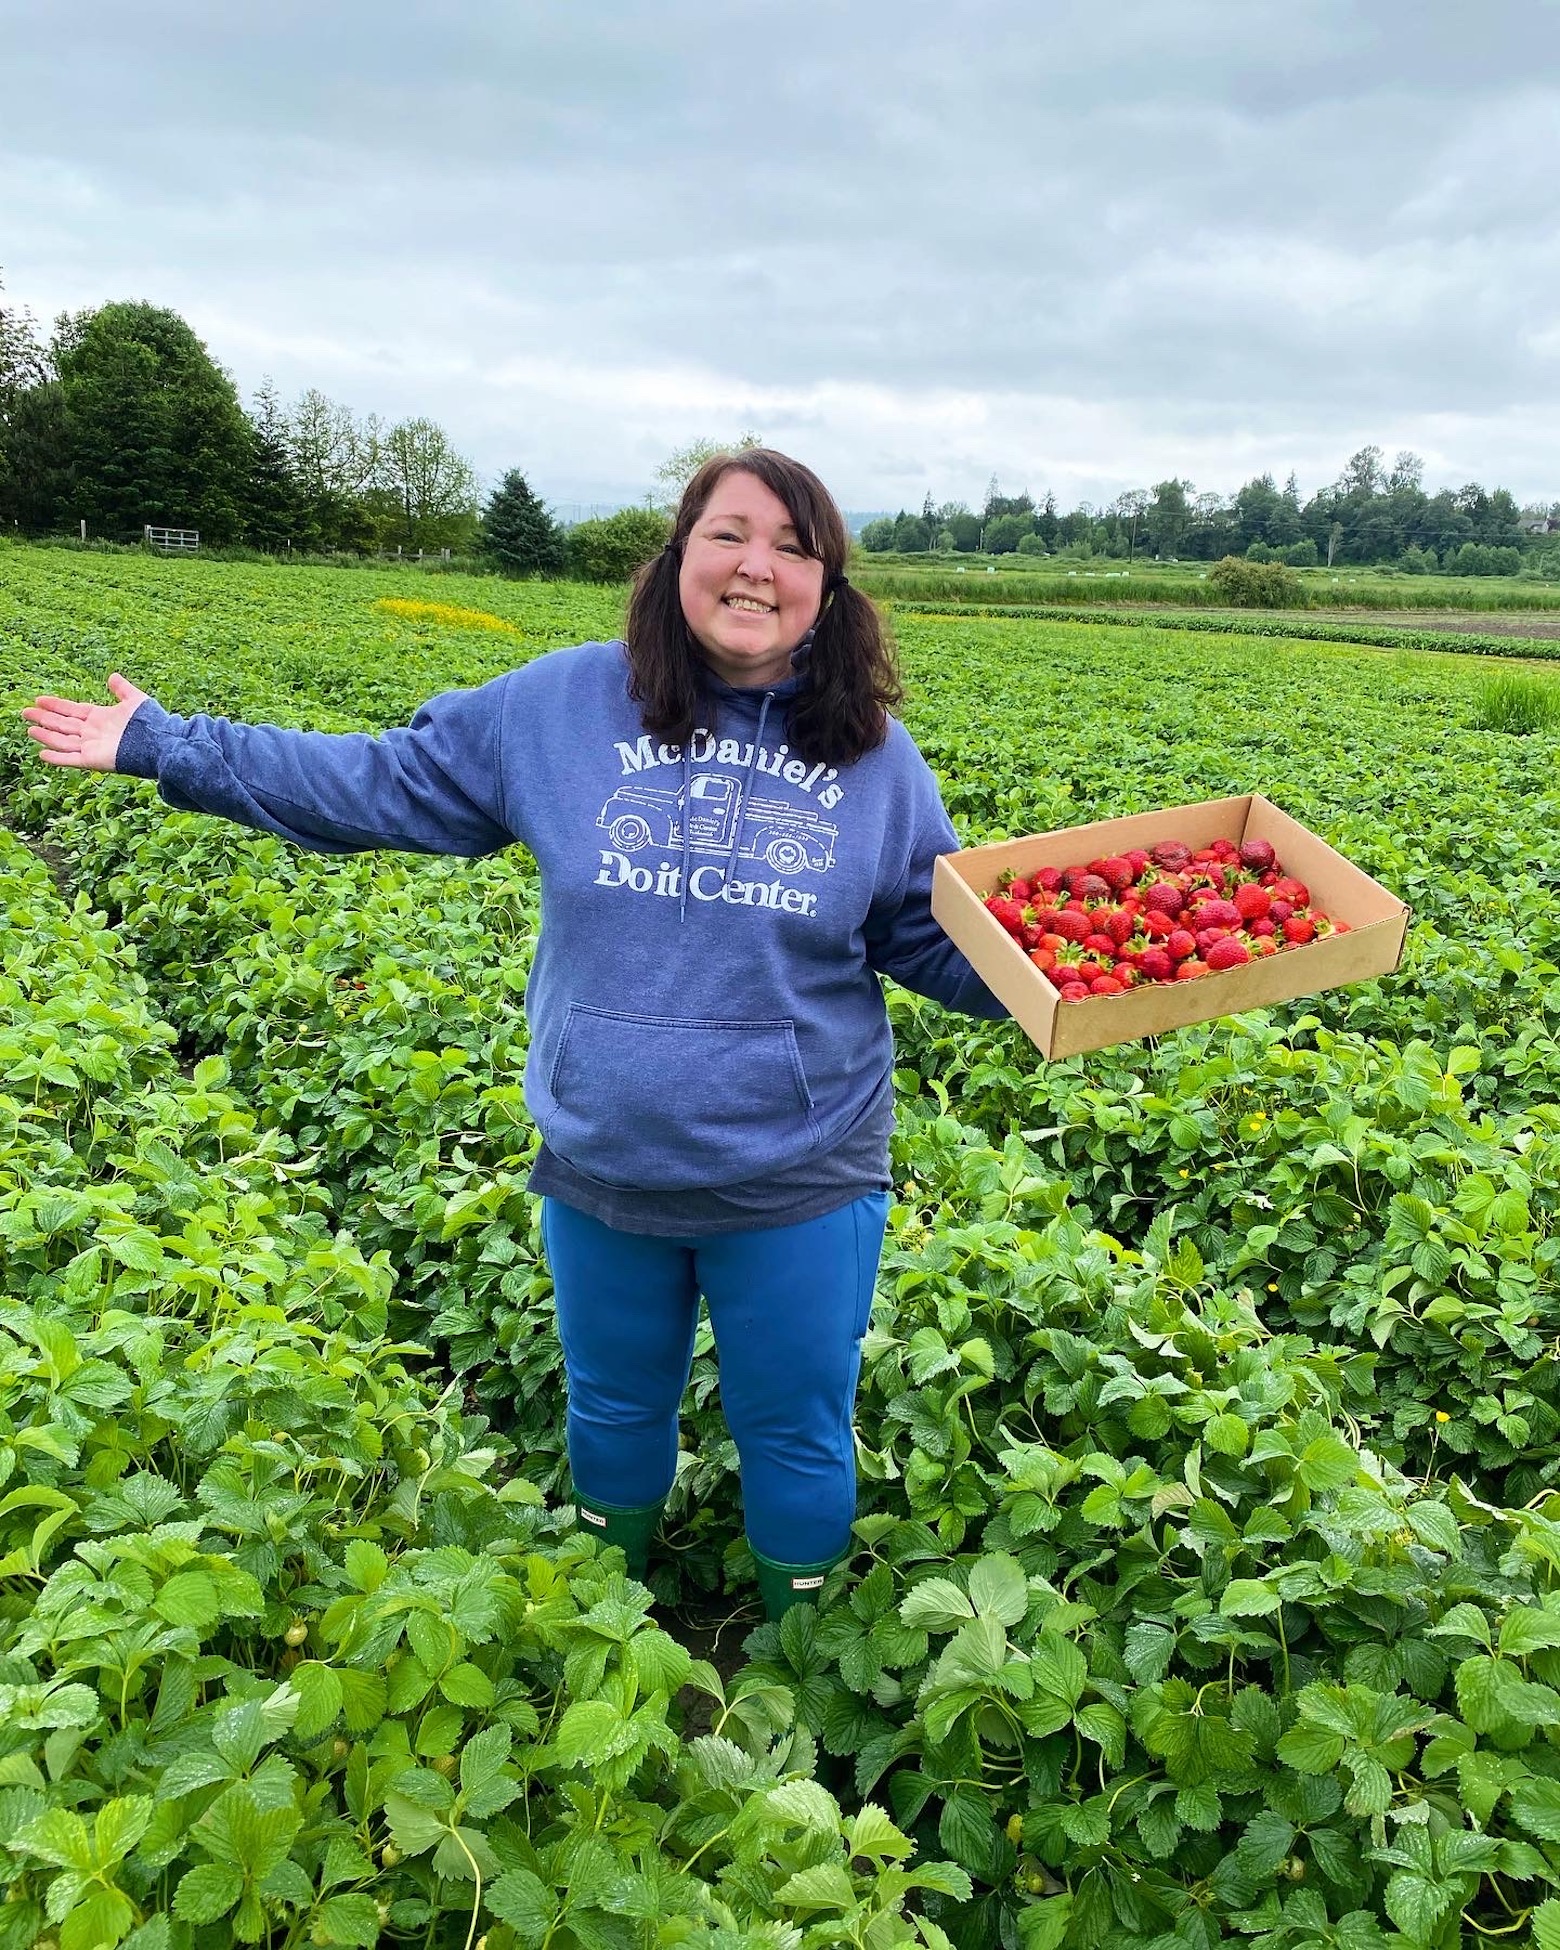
(86, 735)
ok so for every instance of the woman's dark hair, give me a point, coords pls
(849, 678)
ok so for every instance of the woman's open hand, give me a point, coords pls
(83, 734)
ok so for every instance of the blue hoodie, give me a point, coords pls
(704, 1002)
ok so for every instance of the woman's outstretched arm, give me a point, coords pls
(434, 786)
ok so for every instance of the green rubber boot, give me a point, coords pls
(783, 1585)
(631, 1529)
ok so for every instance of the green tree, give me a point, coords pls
(877, 537)
(519, 537)
(276, 515)
(912, 534)
(336, 459)
(431, 488)
(155, 427)
(1004, 534)
(1167, 516)
(34, 459)
(679, 468)
(612, 549)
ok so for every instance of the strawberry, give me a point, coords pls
(1029, 934)
(1207, 936)
(1137, 859)
(1226, 850)
(1165, 896)
(1294, 891)
(1263, 928)
(1043, 958)
(1190, 970)
(1020, 890)
(1101, 944)
(1118, 923)
(1007, 912)
(1107, 985)
(1093, 887)
(1156, 965)
(1181, 945)
(1256, 856)
(1227, 953)
(1299, 927)
(1266, 945)
(1069, 921)
(1218, 914)
(1252, 901)
(1090, 970)
(1171, 855)
(1049, 878)
(1280, 911)
(1075, 992)
(1158, 924)
(1118, 872)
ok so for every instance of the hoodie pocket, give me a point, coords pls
(666, 1103)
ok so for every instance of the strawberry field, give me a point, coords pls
(1206, 1586)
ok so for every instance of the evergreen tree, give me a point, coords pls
(518, 535)
(156, 430)
(275, 510)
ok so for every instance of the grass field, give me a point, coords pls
(1009, 580)
(1206, 1585)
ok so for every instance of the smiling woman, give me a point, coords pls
(735, 841)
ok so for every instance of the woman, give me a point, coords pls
(735, 840)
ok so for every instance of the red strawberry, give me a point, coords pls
(1118, 871)
(1157, 923)
(1156, 965)
(1227, 953)
(1256, 856)
(1071, 923)
(1009, 913)
(1263, 928)
(1107, 985)
(1137, 859)
(1050, 878)
(1029, 934)
(1299, 927)
(1075, 992)
(1265, 946)
(1226, 850)
(1171, 855)
(1207, 936)
(1166, 896)
(1019, 890)
(1252, 902)
(1181, 944)
(1090, 970)
(1190, 970)
(1100, 944)
(1043, 958)
(1218, 914)
(1294, 891)
(1118, 924)
(1093, 887)
(1280, 911)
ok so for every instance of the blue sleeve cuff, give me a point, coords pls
(140, 740)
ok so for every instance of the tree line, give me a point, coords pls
(120, 418)
(1373, 513)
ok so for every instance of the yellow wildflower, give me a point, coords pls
(1272, 1286)
(449, 614)
(1442, 1416)
(1185, 1174)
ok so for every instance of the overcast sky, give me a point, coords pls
(1077, 246)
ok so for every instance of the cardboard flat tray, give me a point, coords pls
(1377, 920)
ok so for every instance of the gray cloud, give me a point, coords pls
(1077, 246)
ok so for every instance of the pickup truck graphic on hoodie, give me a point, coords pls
(788, 839)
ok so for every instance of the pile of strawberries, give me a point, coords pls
(1169, 915)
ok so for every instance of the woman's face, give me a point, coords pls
(749, 593)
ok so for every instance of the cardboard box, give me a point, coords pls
(1377, 922)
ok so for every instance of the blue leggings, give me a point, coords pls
(788, 1304)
